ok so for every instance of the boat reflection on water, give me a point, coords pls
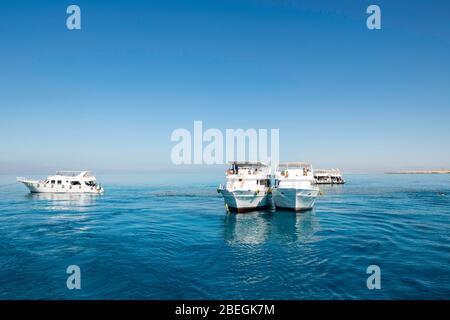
(64, 201)
(299, 227)
(249, 228)
(332, 188)
(257, 227)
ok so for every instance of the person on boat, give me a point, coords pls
(235, 168)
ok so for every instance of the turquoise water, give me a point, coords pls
(164, 237)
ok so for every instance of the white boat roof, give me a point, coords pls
(74, 173)
(294, 165)
(327, 171)
(248, 163)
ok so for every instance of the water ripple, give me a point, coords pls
(165, 242)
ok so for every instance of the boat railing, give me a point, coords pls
(244, 173)
(327, 171)
(248, 163)
(74, 173)
(294, 165)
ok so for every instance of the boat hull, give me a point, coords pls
(37, 187)
(245, 201)
(294, 199)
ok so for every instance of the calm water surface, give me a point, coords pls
(170, 238)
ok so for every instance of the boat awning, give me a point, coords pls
(248, 163)
(294, 165)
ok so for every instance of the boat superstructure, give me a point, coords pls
(294, 187)
(328, 176)
(64, 182)
(248, 187)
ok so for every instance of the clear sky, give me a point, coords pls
(108, 96)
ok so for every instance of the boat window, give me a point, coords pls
(53, 181)
(75, 183)
(59, 181)
(90, 183)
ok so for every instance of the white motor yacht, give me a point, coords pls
(328, 176)
(294, 187)
(64, 182)
(247, 187)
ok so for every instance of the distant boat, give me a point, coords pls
(328, 176)
(64, 182)
(438, 171)
(294, 187)
(247, 187)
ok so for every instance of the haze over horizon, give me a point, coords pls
(107, 97)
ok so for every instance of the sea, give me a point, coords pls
(158, 236)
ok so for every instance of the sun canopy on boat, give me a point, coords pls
(74, 173)
(294, 165)
(248, 164)
(327, 171)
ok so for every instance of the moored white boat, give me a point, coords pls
(294, 189)
(64, 182)
(247, 187)
(328, 176)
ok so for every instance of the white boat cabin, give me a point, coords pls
(247, 175)
(294, 175)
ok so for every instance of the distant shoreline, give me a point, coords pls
(446, 171)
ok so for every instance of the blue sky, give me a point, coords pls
(107, 97)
